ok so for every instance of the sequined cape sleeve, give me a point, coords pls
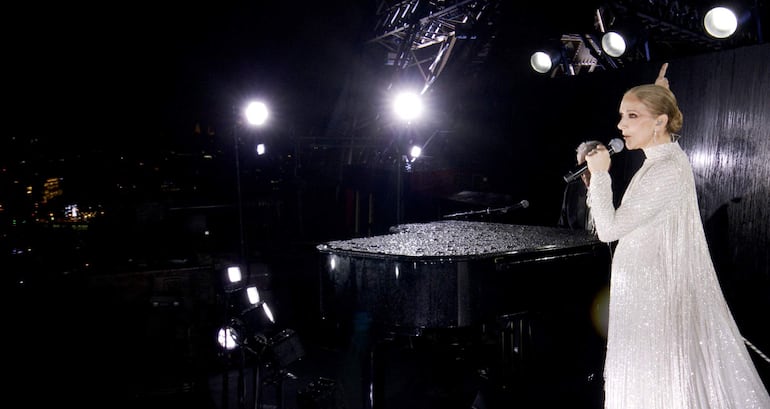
(639, 206)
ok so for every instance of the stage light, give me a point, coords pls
(279, 347)
(252, 328)
(627, 39)
(234, 274)
(720, 22)
(415, 152)
(550, 56)
(407, 105)
(253, 295)
(256, 113)
(268, 313)
(258, 322)
(541, 61)
(261, 149)
(614, 44)
(244, 299)
(226, 338)
(231, 279)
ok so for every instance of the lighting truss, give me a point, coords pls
(663, 29)
(422, 34)
(678, 25)
(583, 54)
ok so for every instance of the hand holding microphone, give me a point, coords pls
(596, 160)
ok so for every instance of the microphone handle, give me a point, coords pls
(579, 171)
(575, 174)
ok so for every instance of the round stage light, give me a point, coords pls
(720, 22)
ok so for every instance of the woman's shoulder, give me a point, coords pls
(673, 165)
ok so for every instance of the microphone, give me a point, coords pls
(521, 205)
(616, 145)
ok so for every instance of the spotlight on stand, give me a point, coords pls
(249, 320)
(245, 301)
(407, 106)
(233, 335)
(256, 113)
(232, 279)
(227, 338)
(250, 330)
(249, 315)
(259, 321)
(234, 274)
(229, 279)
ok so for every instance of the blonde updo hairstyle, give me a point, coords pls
(660, 100)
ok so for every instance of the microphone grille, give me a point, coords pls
(524, 204)
(616, 145)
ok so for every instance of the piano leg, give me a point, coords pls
(375, 377)
(365, 368)
(515, 340)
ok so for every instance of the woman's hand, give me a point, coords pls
(598, 159)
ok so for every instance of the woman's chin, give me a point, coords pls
(630, 145)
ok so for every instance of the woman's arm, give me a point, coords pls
(657, 189)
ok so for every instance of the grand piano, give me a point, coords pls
(462, 276)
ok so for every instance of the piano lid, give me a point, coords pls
(461, 239)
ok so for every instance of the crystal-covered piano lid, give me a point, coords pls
(448, 274)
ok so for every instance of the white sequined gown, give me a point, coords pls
(672, 342)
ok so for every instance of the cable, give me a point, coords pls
(760, 353)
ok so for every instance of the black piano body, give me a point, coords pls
(467, 276)
(453, 274)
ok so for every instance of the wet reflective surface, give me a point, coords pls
(461, 239)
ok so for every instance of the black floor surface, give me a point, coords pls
(148, 340)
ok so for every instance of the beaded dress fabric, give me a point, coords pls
(672, 342)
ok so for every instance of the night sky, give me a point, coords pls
(133, 69)
(129, 69)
